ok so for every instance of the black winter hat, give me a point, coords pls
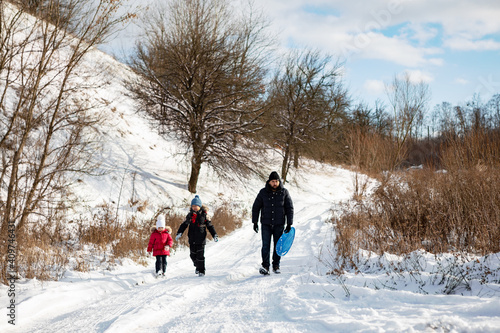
(274, 175)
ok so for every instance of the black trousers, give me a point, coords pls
(197, 254)
(268, 232)
(161, 263)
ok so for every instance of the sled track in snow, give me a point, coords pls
(101, 314)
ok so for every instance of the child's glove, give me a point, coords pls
(255, 227)
(178, 236)
(167, 247)
(288, 228)
(216, 238)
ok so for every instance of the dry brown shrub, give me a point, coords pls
(101, 230)
(454, 210)
(43, 252)
(439, 212)
(477, 149)
(127, 239)
(370, 152)
(424, 152)
(225, 221)
(141, 206)
(132, 240)
(82, 265)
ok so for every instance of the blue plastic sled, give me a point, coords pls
(285, 242)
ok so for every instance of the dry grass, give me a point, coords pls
(41, 252)
(453, 211)
(438, 212)
(370, 152)
(44, 252)
(225, 221)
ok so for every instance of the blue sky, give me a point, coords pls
(452, 45)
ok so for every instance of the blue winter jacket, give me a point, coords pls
(274, 207)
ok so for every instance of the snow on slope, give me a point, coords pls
(138, 163)
(232, 297)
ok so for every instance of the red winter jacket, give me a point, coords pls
(159, 240)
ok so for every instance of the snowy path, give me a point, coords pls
(233, 297)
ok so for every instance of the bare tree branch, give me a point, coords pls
(303, 97)
(45, 119)
(202, 68)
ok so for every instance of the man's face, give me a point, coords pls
(274, 183)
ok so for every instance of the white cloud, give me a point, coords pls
(393, 49)
(436, 61)
(374, 87)
(355, 26)
(474, 19)
(461, 81)
(463, 44)
(421, 32)
(367, 45)
(347, 32)
(417, 76)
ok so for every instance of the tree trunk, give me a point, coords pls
(284, 166)
(10, 200)
(195, 173)
(296, 157)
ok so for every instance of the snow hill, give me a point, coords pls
(232, 297)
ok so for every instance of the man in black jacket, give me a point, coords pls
(275, 207)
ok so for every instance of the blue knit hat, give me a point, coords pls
(196, 201)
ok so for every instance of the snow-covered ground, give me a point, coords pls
(232, 297)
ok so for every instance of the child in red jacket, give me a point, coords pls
(160, 242)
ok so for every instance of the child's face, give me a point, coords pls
(195, 208)
(161, 228)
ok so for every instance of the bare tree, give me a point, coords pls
(45, 118)
(408, 101)
(382, 119)
(494, 107)
(202, 68)
(53, 11)
(303, 96)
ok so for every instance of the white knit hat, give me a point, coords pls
(160, 222)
